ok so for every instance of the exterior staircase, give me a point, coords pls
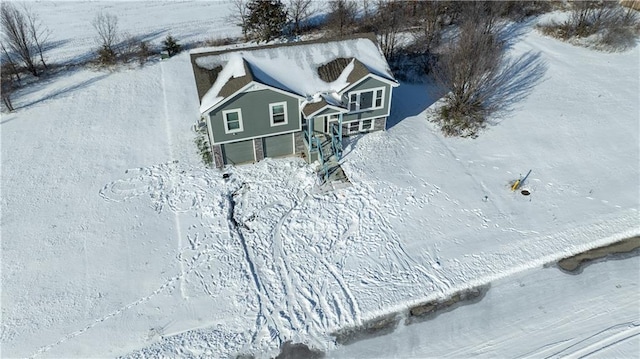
(331, 150)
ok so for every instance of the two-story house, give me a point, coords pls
(295, 98)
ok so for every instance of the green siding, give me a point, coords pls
(255, 115)
(370, 83)
(279, 145)
(238, 152)
(318, 124)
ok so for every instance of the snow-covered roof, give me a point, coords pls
(306, 69)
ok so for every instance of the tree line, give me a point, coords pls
(461, 45)
(25, 39)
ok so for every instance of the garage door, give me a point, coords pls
(238, 152)
(280, 145)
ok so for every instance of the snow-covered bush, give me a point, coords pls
(202, 142)
(603, 25)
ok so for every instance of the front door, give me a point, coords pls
(328, 120)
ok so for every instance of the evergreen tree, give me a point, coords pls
(266, 19)
(171, 46)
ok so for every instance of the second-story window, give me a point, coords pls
(278, 113)
(366, 99)
(232, 121)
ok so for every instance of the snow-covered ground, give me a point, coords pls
(73, 37)
(116, 240)
(539, 313)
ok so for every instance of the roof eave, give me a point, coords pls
(243, 89)
(392, 83)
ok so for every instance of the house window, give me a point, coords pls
(353, 102)
(366, 125)
(379, 95)
(354, 127)
(278, 113)
(360, 126)
(366, 99)
(232, 121)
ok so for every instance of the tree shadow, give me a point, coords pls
(515, 81)
(49, 45)
(512, 32)
(64, 90)
(91, 55)
(411, 99)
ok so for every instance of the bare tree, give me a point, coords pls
(11, 67)
(8, 85)
(465, 69)
(342, 14)
(106, 25)
(480, 80)
(429, 19)
(389, 19)
(239, 15)
(17, 35)
(38, 32)
(299, 11)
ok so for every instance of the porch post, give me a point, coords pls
(310, 122)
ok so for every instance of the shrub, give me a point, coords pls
(171, 46)
(607, 25)
(143, 53)
(221, 41)
(202, 143)
(106, 56)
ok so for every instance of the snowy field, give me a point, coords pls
(539, 313)
(117, 241)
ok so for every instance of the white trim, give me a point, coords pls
(286, 116)
(293, 138)
(255, 156)
(244, 89)
(389, 104)
(374, 76)
(328, 120)
(260, 136)
(373, 107)
(349, 125)
(339, 109)
(226, 124)
(373, 123)
(360, 127)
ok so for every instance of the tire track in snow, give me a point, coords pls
(262, 294)
(599, 341)
(280, 256)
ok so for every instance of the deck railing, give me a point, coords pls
(336, 140)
